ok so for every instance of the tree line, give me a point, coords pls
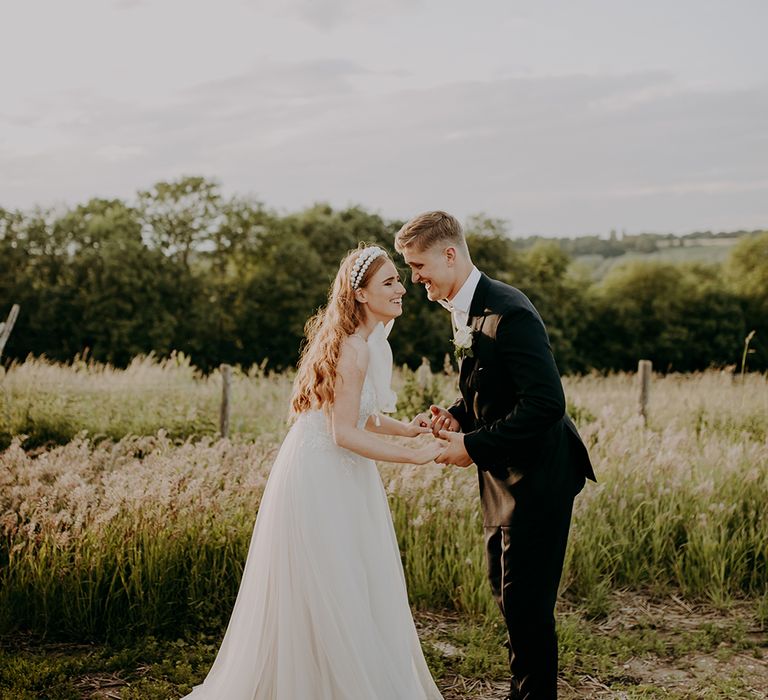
(616, 245)
(225, 279)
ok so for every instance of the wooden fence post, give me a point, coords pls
(226, 383)
(7, 327)
(644, 368)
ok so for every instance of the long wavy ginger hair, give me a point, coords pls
(325, 331)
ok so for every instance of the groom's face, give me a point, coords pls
(433, 267)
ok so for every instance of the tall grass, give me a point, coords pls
(50, 403)
(149, 533)
(116, 540)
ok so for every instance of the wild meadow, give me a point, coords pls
(125, 522)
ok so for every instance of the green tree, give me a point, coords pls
(229, 259)
(36, 275)
(180, 216)
(746, 269)
(288, 285)
(236, 238)
(123, 292)
(558, 293)
(746, 274)
(714, 317)
(679, 318)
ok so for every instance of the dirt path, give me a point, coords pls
(684, 651)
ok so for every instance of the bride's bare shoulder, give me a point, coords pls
(353, 357)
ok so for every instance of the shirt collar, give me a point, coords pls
(462, 300)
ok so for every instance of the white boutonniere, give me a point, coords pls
(462, 342)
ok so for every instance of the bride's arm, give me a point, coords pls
(350, 374)
(391, 426)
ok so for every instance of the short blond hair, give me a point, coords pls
(427, 229)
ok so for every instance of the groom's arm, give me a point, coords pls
(523, 349)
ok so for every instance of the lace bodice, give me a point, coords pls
(376, 396)
(316, 432)
(321, 423)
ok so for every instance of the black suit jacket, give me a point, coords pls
(512, 408)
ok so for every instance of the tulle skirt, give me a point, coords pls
(322, 611)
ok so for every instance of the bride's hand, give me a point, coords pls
(419, 425)
(429, 452)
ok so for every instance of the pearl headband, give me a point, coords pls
(363, 262)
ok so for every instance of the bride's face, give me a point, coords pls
(383, 294)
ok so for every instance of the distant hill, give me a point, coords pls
(601, 254)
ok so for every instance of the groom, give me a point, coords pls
(511, 422)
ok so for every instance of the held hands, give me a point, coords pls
(443, 425)
(428, 452)
(435, 420)
(418, 426)
(455, 453)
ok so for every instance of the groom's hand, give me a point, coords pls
(442, 420)
(455, 453)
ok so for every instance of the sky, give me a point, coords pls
(561, 117)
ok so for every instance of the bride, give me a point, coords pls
(322, 612)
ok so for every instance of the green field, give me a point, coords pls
(706, 251)
(126, 520)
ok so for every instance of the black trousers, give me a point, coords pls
(525, 563)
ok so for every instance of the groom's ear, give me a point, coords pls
(450, 256)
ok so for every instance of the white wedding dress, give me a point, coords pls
(322, 611)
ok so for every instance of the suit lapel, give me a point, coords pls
(476, 320)
(477, 307)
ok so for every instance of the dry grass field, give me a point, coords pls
(125, 520)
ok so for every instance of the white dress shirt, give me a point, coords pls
(462, 300)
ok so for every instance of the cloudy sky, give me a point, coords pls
(563, 117)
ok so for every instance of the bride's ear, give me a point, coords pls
(361, 296)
